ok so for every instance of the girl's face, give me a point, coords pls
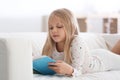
(57, 30)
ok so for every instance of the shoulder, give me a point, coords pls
(78, 46)
(77, 39)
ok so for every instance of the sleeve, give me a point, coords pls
(78, 51)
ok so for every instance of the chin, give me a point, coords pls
(57, 41)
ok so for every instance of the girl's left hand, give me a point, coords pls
(61, 67)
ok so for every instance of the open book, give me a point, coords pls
(41, 65)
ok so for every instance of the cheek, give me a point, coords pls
(50, 33)
(63, 34)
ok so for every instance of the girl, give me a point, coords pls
(68, 49)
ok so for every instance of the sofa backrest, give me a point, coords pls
(94, 41)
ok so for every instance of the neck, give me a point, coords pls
(60, 47)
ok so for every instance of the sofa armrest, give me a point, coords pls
(15, 59)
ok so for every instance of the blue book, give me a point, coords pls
(41, 65)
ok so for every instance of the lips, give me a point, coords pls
(55, 35)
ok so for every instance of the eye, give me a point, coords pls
(59, 26)
(51, 28)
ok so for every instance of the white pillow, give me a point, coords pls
(94, 41)
(111, 39)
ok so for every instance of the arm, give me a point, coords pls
(79, 50)
(116, 48)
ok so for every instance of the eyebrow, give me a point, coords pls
(57, 24)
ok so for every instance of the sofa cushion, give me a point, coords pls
(94, 41)
(111, 39)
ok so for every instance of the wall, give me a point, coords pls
(30, 15)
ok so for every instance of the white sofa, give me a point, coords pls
(16, 54)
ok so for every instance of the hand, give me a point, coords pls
(61, 67)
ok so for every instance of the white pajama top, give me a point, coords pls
(82, 61)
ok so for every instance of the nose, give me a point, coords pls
(54, 30)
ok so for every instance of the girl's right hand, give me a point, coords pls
(61, 67)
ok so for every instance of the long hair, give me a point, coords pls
(71, 29)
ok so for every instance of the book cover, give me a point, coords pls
(41, 65)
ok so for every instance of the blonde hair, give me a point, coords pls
(71, 29)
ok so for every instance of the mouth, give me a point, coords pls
(55, 35)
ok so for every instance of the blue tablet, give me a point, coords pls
(41, 65)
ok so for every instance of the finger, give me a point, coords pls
(59, 61)
(51, 63)
(53, 67)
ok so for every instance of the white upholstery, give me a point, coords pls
(94, 41)
(15, 59)
(16, 51)
(111, 39)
